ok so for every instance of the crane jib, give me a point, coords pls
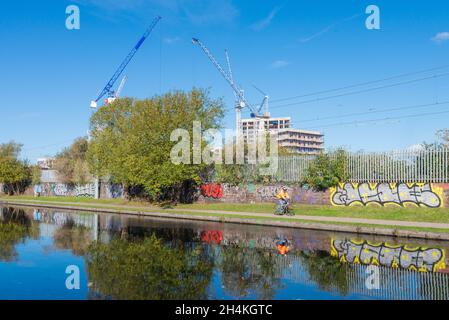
(121, 68)
(140, 43)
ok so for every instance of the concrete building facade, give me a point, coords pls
(295, 140)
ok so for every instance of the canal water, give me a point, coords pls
(57, 254)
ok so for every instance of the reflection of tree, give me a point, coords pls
(326, 271)
(148, 269)
(246, 271)
(73, 237)
(15, 227)
(10, 235)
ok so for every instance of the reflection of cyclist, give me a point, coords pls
(282, 247)
(283, 198)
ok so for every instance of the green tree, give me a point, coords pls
(15, 174)
(131, 141)
(71, 164)
(36, 175)
(237, 174)
(327, 170)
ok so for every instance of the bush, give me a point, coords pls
(327, 170)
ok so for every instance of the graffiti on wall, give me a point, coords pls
(250, 192)
(268, 193)
(59, 189)
(64, 190)
(87, 191)
(419, 194)
(382, 254)
(114, 191)
(212, 190)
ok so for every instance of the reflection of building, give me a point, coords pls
(294, 140)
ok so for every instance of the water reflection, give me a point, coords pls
(148, 269)
(420, 259)
(15, 227)
(126, 257)
(73, 237)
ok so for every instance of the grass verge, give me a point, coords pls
(408, 213)
(133, 206)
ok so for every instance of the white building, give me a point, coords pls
(45, 163)
(295, 140)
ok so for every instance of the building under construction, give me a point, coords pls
(294, 140)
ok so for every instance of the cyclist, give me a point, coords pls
(283, 198)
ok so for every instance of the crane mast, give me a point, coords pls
(107, 90)
(238, 112)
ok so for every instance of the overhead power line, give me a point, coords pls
(376, 111)
(362, 91)
(380, 119)
(359, 84)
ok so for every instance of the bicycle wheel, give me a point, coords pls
(277, 209)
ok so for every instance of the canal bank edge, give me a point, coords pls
(251, 221)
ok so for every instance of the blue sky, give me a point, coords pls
(287, 48)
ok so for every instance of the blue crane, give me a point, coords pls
(108, 88)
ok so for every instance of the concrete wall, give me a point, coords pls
(251, 193)
(106, 190)
(430, 195)
(111, 191)
(50, 189)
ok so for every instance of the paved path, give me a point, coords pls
(391, 223)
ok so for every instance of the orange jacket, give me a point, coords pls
(282, 249)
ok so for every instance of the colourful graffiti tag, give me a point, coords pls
(212, 190)
(382, 254)
(400, 194)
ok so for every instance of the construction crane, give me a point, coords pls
(241, 102)
(264, 104)
(108, 88)
(116, 93)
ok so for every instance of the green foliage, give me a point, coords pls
(36, 174)
(72, 165)
(14, 173)
(148, 270)
(236, 174)
(131, 141)
(327, 170)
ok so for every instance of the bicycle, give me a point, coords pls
(284, 209)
